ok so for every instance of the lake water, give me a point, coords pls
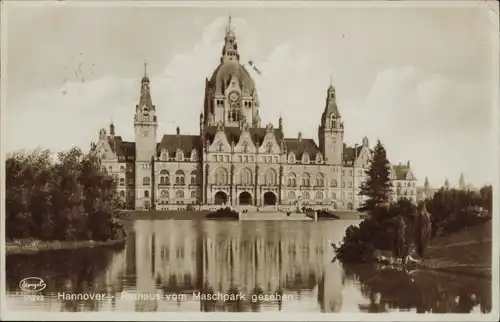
(275, 265)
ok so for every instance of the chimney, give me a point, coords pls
(300, 136)
(178, 131)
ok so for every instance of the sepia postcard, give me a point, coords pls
(249, 160)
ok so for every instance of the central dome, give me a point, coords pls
(225, 72)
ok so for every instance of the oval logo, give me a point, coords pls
(32, 284)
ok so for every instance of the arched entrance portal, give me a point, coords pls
(220, 198)
(245, 198)
(269, 199)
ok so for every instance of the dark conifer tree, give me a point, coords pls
(377, 187)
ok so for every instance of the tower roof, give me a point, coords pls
(145, 98)
(331, 107)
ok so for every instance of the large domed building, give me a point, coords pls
(235, 160)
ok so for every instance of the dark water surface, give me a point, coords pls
(277, 266)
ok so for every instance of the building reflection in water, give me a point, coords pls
(216, 257)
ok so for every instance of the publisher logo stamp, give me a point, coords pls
(32, 284)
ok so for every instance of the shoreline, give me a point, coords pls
(36, 246)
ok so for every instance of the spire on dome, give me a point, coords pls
(145, 78)
(230, 49)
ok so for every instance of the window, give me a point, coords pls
(291, 195)
(193, 177)
(319, 195)
(221, 177)
(164, 155)
(179, 177)
(146, 181)
(306, 180)
(164, 193)
(334, 195)
(179, 194)
(122, 193)
(146, 194)
(334, 183)
(320, 180)
(164, 177)
(122, 169)
(269, 147)
(130, 181)
(122, 181)
(271, 177)
(193, 194)
(246, 176)
(110, 169)
(291, 158)
(245, 147)
(179, 156)
(292, 180)
(305, 195)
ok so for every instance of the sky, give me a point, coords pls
(421, 79)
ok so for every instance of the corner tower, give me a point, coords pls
(146, 126)
(145, 123)
(230, 94)
(331, 130)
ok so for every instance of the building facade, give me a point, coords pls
(236, 160)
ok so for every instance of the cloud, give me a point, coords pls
(440, 124)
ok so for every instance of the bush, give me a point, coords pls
(451, 210)
(71, 198)
(223, 213)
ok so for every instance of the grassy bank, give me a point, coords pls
(465, 252)
(30, 246)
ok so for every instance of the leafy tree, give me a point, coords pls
(377, 187)
(67, 198)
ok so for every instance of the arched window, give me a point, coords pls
(110, 169)
(305, 158)
(193, 194)
(221, 177)
(292, 179)
(334, 196)
(179, 156)
(291, 196)
(319, 195)
(320, 180)
(306, 180)
(269, 147)
(291, 157)
(194, 155)
(164, 155)
(246, 176)
(179, 177)
(305, 195)
(122, 181)
(193, 177)
(122, 193)
(164, 193)
(122, 168)
(146, 181)
(334, 183)
(271, 177)
(164, 177)
(179, 194)
(146, 194)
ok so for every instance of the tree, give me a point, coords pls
(377, 188)
(70, 198)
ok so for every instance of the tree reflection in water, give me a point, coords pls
(424, 290)
(81, 271)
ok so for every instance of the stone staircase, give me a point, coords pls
(265, 214)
